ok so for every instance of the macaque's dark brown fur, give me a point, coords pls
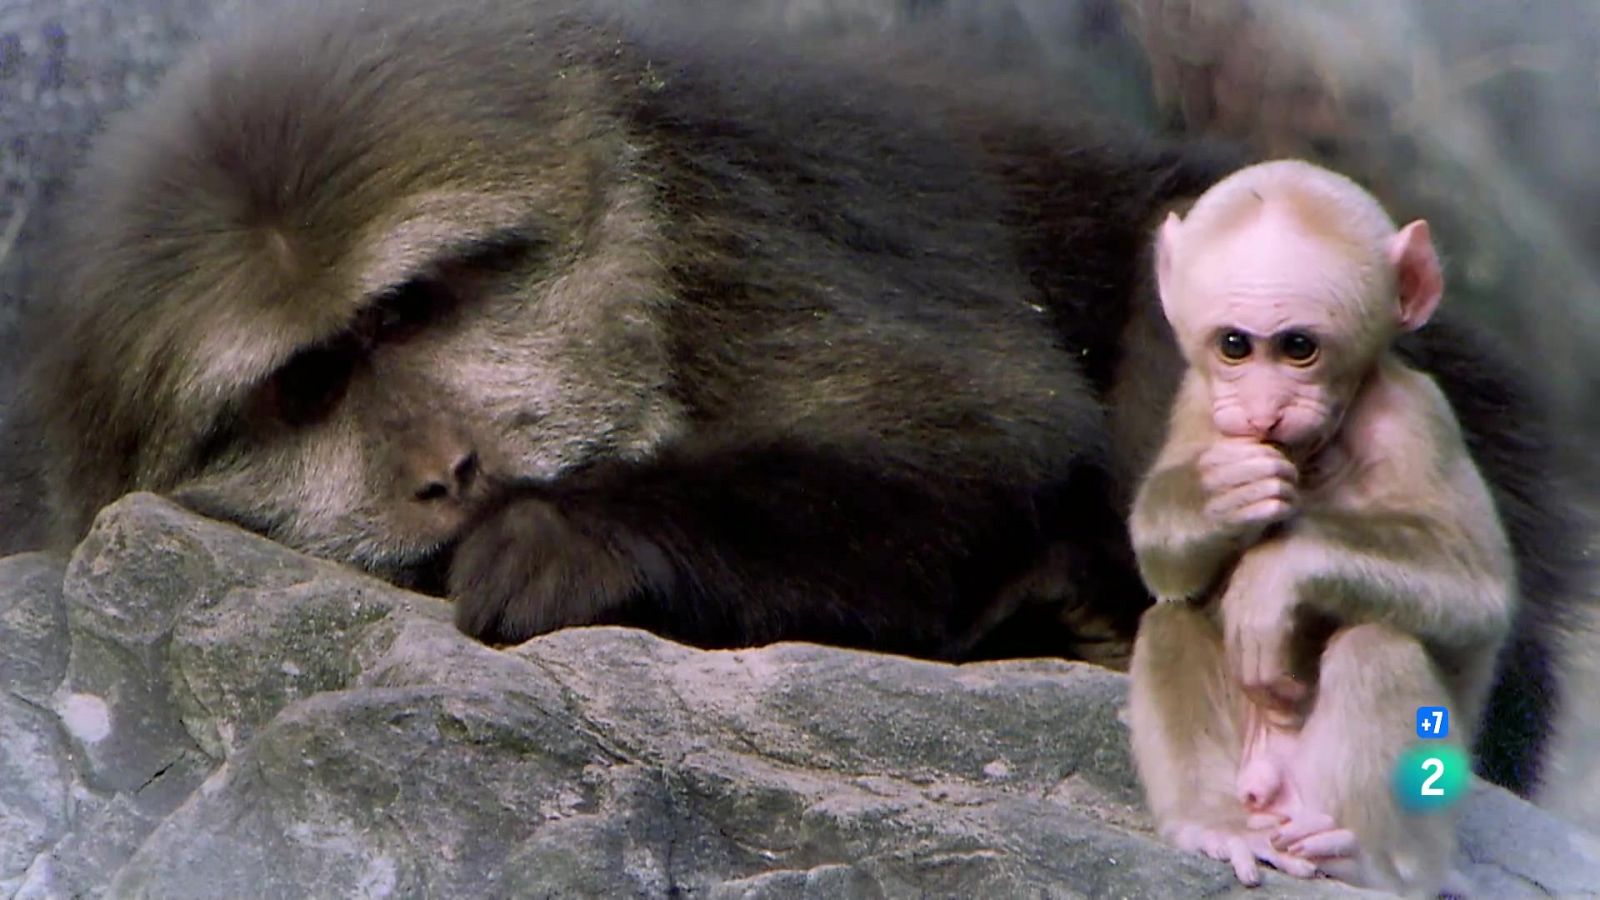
(604, 319)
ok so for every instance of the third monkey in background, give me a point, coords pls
(1326, 554)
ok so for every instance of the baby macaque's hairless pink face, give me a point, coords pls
(1285, 284)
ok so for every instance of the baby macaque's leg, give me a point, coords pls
(1187, 714)
(1340, 806)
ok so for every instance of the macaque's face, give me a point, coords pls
(350, 349)
(1273, 319)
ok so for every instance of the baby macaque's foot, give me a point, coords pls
(1241, 848)
(1315, 836)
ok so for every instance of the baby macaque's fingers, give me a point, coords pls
(1272, 497)
(1340, 843)
(1292, 865)
(1225, 450)
(1261, 667)
(1301, 827)
(1236, 467)
(1264, 512)
(1283, 861)
(1244, 659)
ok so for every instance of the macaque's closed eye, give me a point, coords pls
(403, 313)
(310, 384)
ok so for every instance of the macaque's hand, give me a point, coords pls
(1258, 609)
(1248, 486)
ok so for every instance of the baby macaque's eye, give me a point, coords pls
(1234, 345)
(1298, 347)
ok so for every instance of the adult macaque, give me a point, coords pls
(1326, 556)
(599, 318)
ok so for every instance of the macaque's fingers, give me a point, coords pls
(1263, 463)
(1259, 502)
(1292, 865)
(1225, 450)
(1263, 844)
(1301, 827)
(1339, 843)
(1265, 512)
(1260, 657)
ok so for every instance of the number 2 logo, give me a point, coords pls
(1431, 777)
(1435, 765)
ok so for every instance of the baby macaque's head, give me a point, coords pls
(1285, 284)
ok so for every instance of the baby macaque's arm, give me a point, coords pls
(1421, 548)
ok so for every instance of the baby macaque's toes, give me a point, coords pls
(1195, 838)
(1241, 849)
(1244, 861)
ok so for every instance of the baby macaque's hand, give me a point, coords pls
(1248, 485)
(1258, 607)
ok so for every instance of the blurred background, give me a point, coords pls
(1481, 117)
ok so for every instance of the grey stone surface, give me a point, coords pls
(190, 710)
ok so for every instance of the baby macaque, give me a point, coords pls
(1326, 554)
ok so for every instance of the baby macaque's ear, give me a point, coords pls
(1166, 250)
(1418, 275)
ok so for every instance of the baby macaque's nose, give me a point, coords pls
(1263, 424)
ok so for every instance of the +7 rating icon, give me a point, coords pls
(1433, 722)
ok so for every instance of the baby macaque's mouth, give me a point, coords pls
(1304, 451)
(1297, 453)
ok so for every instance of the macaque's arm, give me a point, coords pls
(1180, 551)
(1419, 546)
(1430, 578)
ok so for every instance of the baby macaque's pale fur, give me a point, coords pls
(1327, 554)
